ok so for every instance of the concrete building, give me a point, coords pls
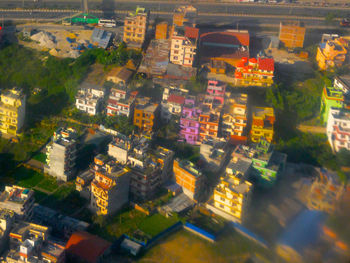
(234, 118)
(12, 112)
(110, 187)
(135, 28)
(292, 34)
(18, 199)
(338, 129)
(164, 157)
(331, 98)
(189, 178)
(331, 54)
(216, 89)
(146, 115)
(120, 102)
(89, 98)
(255, 72)
(162, 31)
(189, 121)
(183, 47)
(209, 122)
(119, 148)
(185, 15)
(263, 120)
(119, 76)
(7, 218)
(172, 102)
(232, 195)
(214, 154)
(343, 83)
(326, 192)
(83, 182)
(61, 154)
(222, 49)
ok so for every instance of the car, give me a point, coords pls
(345, 22)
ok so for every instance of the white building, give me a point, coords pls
(120, 102)
(183, 46)
(343, 83)
(338, 129)
(88, 98)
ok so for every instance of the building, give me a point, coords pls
(172, 106)
(331, 98)
(338, 129)
(266, 164)
(135, 28)
(84, 247)
(146, 115)
(209, 122)
(331, 54)
(189, 178)
(234, 118)
(101, 38)
(7, 218)
(119, 148)
(61, 154)
(119, 76)
(89, 98)
(232, 195)
(83, 182)
(189, 121)
(120, 102)
(162, 31)
(18, 199)
(343, 83)
(184, 15)
(292, 34)
(326, 192)
(110, 187)
(183, 47)
(263, 120)
(164, 157)
(222, 49)
(216, 89)
(214, 153)
(255, 72)
(12, 112)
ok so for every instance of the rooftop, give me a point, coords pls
(64, 136)
(147, 107)
(16, 194)
(189, 167)
(345, 79)
(241, 188)
(120, 72)
(262, 111)
(52, 249)
(293, 23)
(13, 93)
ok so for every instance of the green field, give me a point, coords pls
(26, 177)
(48, 183)
(41, 157)
(153, 225)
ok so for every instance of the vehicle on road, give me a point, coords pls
(345, 22)
(107, 23)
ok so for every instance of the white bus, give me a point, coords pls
(107, 23)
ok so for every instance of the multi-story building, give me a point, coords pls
(331, 54)
(146, 115)
(189, 121)
(325, 192)
(119, 148)
(161, 30)
(164, 157)
(135, 28)
(61, 154)
(189, 178)
(338, 129)
(234, 119)
(216, 89)
(120, 76)
(18, 199)
(209, 122)
(184, 15)
(292, 34)
(7, 218)
(343, 83)
(88, 99)
(232, 195)
(255, 72)
(110, 187)
(213, 153)
(266, 164)
(331, 98)
(172, 106)
(83, 182)
(183, 47)
(262, 124)
(120, 102)
(12, 112)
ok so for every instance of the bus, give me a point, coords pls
(107, 23)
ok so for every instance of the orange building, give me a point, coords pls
(135, 27)
(332, 53)
(162, 30)
(188, 177)
(184, 15)
(292, 34)
(262, 124)
(209, 123)
(145, 115)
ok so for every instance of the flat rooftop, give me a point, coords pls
(262, 111)
(189, 167)
(16, 194)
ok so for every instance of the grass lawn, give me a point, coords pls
(49, 183)
(156, 223)
(41, 157)
(39, 196)
(26, 177)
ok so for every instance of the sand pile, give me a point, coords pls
(45, 39)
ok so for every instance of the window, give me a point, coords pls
(176, 58)
(176, 46)
(176, 52)
(222, 199)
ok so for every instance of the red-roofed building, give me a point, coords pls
(229, 46)
(173, 106)
(84, 247)
(191, 32)
(254, 72)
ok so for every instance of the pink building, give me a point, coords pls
(217, 90)
(189, 122)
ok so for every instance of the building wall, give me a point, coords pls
(329, 56)
(145, 120)
(162, 31)
(182, 51)
(338, 131)
(292, 36)
(135, 29)
(335, 100)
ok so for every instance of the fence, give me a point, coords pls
(200, 232)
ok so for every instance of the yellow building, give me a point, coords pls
(135, 27)
(12, 112)
(332, 53)
(262, 124)
(110, 187)
(232, 195)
